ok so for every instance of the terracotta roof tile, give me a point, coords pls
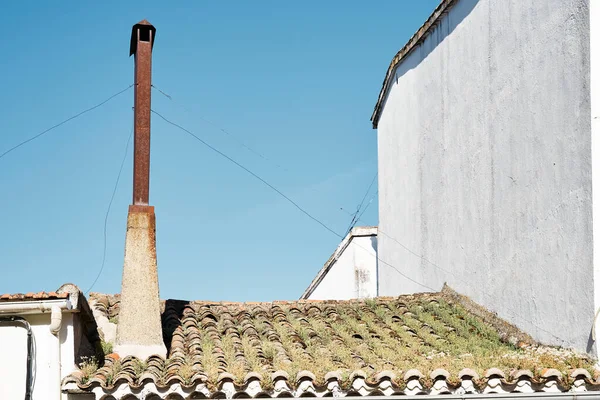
(33, 296)
(427, 343)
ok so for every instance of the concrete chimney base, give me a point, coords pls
(139, 329)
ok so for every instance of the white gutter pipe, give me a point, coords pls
(33, 307)
(55, 320)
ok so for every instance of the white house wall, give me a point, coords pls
(595, 118)
(354, 273)
(485, 165)
(47, 366)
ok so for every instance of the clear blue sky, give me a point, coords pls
(296, 81)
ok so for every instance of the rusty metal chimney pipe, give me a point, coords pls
(142, 40)
(139, 330)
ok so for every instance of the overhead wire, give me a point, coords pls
(367, 206)
(112, 197)
(247, 170)
(315, 219)
(226, 132)
(456, 276)
(358, 208)
(65, 121)
(356, 217)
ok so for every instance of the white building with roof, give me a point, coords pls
(351, 271)
(43, 338)
(485, 127)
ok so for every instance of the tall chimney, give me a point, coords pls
(139, 330)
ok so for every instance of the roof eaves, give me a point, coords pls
(414, 41)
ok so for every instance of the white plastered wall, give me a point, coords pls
(485, 165)
(54, 357)
(354, 273)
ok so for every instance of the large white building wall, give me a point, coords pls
(485, 165)
(595, 118)
(353, 275)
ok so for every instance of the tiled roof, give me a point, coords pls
(427, 343)
(33, 296)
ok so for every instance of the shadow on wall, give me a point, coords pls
(458, 12)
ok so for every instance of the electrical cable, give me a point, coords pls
(367, 206)
(354, 217)
(65, 121)
(29, 380)
(112, 197)
(250, 172)
(231, 136)
(281, 194)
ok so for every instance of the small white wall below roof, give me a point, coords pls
(351, 272)
(47, 372)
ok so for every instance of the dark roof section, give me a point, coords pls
(414, 41)
(289, 346)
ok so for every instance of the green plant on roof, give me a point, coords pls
(251, 354)
(139, 366)
(371, 303)
(107, 347)
(113, 369)
(88, 367)
(186, 372)
(269, 352)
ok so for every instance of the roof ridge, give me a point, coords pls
(412, 43)
(96, 295)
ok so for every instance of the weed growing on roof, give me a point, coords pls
(208, 361)
(88, 367)
(251, 355)
(139, 366)
(292, 349)
(186, 372)
(266, 382)
(371, 303)
(316, 357)
(113, 370)
(269, 352)
(423, 332)
(236, 366)
(107, 347)
(164, 372)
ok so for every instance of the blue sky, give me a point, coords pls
(295, 81)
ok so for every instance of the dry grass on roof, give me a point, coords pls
(425, 332)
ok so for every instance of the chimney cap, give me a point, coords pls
(143, 24)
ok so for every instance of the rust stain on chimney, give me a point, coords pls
(139, 331)
(142, 41)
